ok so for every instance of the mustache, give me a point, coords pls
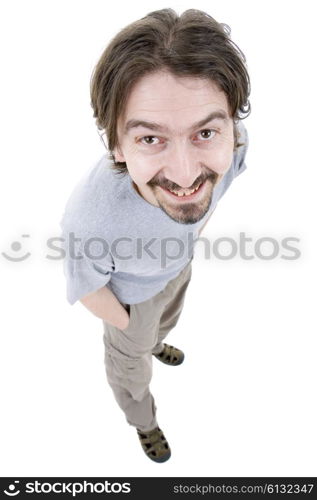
(167, 184)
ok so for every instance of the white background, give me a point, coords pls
(244, 402)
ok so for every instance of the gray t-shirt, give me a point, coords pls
(113, 237)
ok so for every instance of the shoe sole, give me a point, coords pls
(161, 459)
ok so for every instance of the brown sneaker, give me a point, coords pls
(170, 355)
(155, 445)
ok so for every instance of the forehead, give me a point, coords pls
(173, 100)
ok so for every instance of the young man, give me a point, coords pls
(168, 93)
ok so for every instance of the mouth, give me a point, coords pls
(185, 194)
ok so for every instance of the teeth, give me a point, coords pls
(185, 192)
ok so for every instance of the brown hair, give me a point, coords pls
(192, 44)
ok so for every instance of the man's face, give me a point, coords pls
(176, 135)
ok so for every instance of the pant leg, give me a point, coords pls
(173, 308)
(128, 360)
(128, 352)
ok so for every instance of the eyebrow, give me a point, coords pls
(134, 123)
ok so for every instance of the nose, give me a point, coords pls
(182, 166)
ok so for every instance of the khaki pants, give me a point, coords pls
(128, 352)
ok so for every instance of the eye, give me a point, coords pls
(206, 134)
(149, 140)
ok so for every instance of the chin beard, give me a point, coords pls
(188, 213)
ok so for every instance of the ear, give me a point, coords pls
(118, 155)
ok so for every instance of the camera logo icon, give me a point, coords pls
(12, 490)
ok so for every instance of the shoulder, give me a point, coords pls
(92, 203)
(242, 132)
(240, 152)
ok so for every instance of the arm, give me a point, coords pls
(105, 305)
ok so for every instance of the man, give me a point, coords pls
(168, 94)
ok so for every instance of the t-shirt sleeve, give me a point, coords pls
(84, 270)
(243, 139)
